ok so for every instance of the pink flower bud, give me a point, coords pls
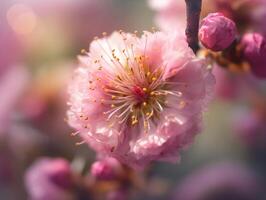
(254, 51)
(49, 178)
(106, 169)
(217, 32)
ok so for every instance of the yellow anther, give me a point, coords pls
(113, 105)
(144, 89)
(134, 122)
(153, 78)
(83, 51)
(113, 96)
(148, 73)
(144, 103)
(182, 104)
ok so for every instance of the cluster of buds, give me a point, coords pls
(238, 52)
(59, 179)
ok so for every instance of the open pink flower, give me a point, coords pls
(139, 99)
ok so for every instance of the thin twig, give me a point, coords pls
(192, 29)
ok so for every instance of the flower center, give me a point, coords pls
(140, 93)
(137, 95)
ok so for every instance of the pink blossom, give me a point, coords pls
(139, 99)
(49, 179)
(217, 32)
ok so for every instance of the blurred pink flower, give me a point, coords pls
(254, 51)
(220, 181)
(49, 179)
(217, 32)
(171, 14)
(139, 99)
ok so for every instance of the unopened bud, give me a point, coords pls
(217, 32)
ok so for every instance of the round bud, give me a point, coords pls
(217, 32)
(106, 169)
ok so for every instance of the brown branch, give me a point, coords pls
(192, 29)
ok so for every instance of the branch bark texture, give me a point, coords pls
(193, 9)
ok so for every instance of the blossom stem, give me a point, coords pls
(193, 15)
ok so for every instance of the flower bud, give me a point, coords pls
(49, 179)
(254, 51)
(217, 32)
(106, 169)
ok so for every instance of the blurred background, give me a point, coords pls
(39, 43)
